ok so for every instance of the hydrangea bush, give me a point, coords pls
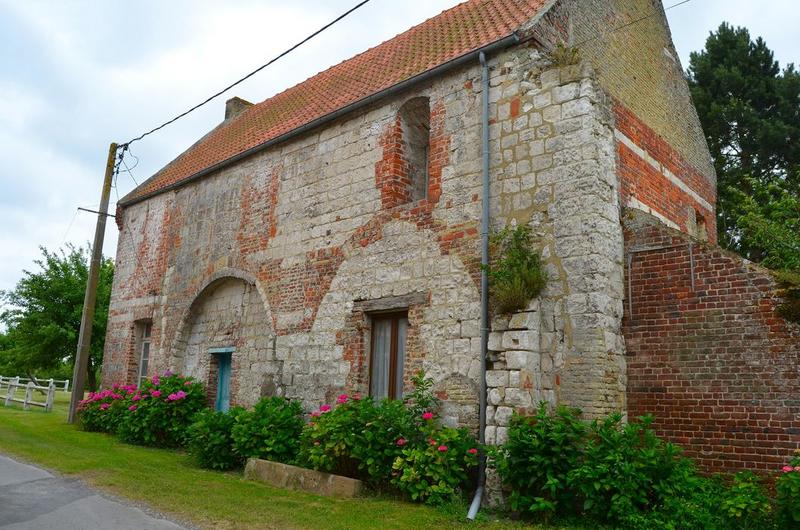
(162, 410)
(393, 442)
(102, 411)
(787, 487)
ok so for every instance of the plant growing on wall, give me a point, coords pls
(515, 275)
(789, 282)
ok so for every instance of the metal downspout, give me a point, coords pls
(476, 500)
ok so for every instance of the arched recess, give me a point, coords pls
(229, 314)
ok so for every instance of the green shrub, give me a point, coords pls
(536, 459)
(161, 411)
(625, 468)
(358, 438)
(209, 439)
(102, 411)
(516, 274)
(271, 431)
(435, 468)
(744, 503)
(787, 487)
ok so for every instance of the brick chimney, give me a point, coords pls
(234, 107)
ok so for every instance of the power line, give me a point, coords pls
(251, 74)
(631, 23)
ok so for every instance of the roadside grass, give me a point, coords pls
(169, 482)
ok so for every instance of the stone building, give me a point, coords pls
(328, 239)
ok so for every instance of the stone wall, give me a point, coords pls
(559, 176)
(316, 233)
(707, 354)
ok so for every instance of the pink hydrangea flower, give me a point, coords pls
(325, 408)
(167, 373)
(155, 380)
(137, 397)
(473, 451)
(155, 393)
(427, 415)
(787, 469)
(356, 397)
(315, 414)
(442, 448)
(172, 397)
(104, 406)
(341, 399)
(402, 441)
(180, 394)
(132, 408)
(115, 386)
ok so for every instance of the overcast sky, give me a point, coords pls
(76, 75)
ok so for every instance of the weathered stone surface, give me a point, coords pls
(301, 479)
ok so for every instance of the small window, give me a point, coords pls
(415, 123)
(144, 330)
(389, 332)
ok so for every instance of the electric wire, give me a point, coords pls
(251, 74)
(631, 23)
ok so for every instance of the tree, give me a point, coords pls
(43, 314)
(750, 112)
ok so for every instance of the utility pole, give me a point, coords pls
(87, 318)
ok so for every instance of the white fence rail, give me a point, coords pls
(61, 384)
(14, 385)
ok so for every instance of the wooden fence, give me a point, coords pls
(61, 384)
(14, 385)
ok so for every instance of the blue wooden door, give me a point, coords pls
(223, 382)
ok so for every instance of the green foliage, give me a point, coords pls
(209, 439)
(787, 487)
(271, 431)
(433, 469)
(744, 504)
(358, 438)
(43, 315)
(790, 284)
(750, 112)
(421, 399)
(563, 55)
(162, 411)
(624, 468)
(618, 474)
(536, 459)
(516, 274)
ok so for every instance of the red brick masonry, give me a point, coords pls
(708, 355)
(649, 168)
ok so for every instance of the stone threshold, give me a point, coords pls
(302, 479)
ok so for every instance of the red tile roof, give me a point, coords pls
(449, 35)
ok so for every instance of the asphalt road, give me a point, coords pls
(32, 499)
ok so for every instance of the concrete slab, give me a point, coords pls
(32, 499)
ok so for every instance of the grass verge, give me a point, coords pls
(169, 482)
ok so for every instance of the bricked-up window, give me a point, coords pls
(415, 124)
(143, 332)
(388, 351)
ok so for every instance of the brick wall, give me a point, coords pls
(707, 354)
(664, 165)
